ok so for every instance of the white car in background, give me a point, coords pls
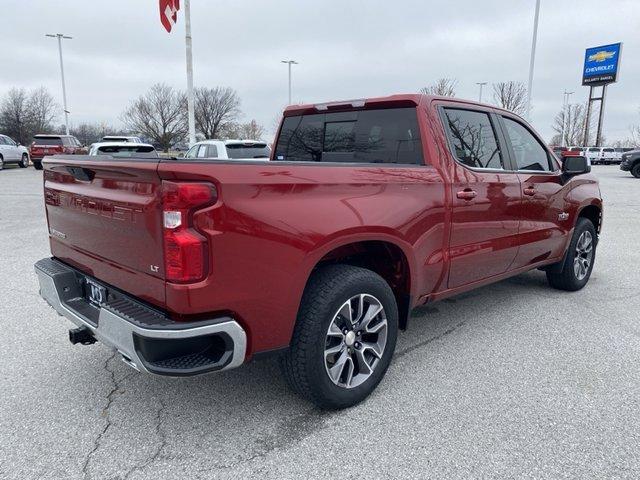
(120, 138)
(123, 150)
(12, 152)
(230, 150)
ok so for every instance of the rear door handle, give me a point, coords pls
(529, 191)
(466, 194)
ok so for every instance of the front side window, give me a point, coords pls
(366, 136)
(530, 154)
(202, 151)
(9, 141)
(192, 152)
(473, 139)
(3, 141)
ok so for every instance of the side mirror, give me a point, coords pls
(577, 165)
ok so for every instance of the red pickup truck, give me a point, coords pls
(366, 209)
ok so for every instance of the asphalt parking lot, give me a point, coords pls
(514, 380)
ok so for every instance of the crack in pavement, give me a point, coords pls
(429, 340)
(106, 413)
(160, 433)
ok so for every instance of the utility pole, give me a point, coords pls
(190, 99)
(532, 60)
(289, 62)
(60, 36)
(565, 104)
(481, 85)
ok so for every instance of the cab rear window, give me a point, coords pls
(367, 136)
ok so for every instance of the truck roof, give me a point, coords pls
(391, 101)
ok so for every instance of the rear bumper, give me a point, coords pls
(147, 339)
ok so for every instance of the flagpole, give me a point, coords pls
(190, 99)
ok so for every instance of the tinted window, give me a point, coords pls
(530, 154)
(258, 150)
(368, 136)
(473, 138)
(126, 151)
(212, 151)
(47, 141)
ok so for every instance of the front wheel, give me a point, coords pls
(344, 337)
(24, 162)
(579, 261)
(635, 171)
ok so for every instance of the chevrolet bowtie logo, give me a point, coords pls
(601, 56)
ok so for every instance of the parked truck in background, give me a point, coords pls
(367, 209)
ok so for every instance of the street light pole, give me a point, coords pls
(565, 104)
(481, 85)
(532, 59)
(60, 36)
(289, 62)
(190, 99)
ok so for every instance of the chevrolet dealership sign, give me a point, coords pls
(601, 64)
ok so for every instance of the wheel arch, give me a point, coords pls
(385, 255)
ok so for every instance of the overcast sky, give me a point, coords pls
(346, 49)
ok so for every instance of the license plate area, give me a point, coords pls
(95, 293)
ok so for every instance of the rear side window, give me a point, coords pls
(212, 151)
(473, 138)
(47, 141)
(530, 154)
(367, 136)
(256, 150)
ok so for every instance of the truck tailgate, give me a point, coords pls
(104, 218)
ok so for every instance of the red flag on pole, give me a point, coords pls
(169, 13)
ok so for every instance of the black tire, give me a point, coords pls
(303, 365)
(24, 162)
(567, 278)
(1, 162)
(635, 170)
(37, 164)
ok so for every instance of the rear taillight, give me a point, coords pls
(185, 249)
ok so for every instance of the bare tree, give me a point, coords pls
(573, 122)
(41, 107)
(445, 87)
(216, 109)
(159, 114)
(251, 130)
(511, 96)
(14, 115)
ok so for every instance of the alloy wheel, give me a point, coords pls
(355, 341)
(584, 255)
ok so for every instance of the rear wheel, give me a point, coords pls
(24, 162)
(37, 164)
(579, 261)
(344, 337)
(635, 171)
